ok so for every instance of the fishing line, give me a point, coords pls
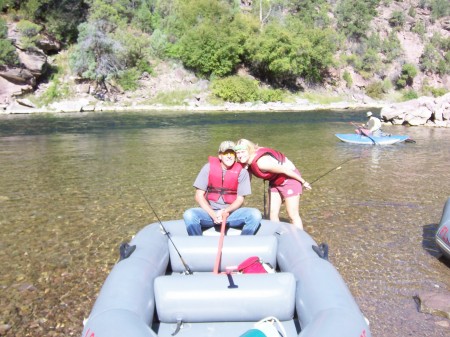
(186, 267)
(334, 169)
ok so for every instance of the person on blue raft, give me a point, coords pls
(372, 127)
(221, 187)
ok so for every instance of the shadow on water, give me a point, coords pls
(101, 121)
(428, 240)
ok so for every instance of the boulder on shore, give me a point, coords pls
(421, 111)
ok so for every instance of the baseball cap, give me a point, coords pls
(226, 145)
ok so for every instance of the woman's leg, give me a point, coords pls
(274, 205)
(292, 208)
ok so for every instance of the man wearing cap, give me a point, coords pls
(372, 127)
(221, 187)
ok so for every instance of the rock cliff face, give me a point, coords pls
(17, 81)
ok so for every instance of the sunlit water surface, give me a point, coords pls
(69, 196)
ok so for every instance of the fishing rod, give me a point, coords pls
(315, 180)
(333, 169)
(186, 267)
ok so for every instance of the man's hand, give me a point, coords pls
(219, 216)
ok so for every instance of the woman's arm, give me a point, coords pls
(269, 164)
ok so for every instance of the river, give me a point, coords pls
(69, 196)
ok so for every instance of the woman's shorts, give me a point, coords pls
(289, 188)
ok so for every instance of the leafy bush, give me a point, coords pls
(430, 58)
(409, 95)
(419, 28)
(271, 95)
(397, 19)
(8, 55)
(54, 92)
(435, 92)
(354, 16)
(348, 79)
(392, 47)
(370, 61)
(128, 79)
(407, 75)
(387, 85)
(375, 90)
(158, 44)
(440, 9)
(236, 89)
(30, 32)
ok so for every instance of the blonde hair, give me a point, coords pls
(242, 144)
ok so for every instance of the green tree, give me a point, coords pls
(354, 16)
(281, 54)
(96, 55)
(213, 49)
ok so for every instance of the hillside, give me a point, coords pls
(365, 70)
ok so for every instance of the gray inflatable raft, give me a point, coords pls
(443, 232)
(150, 294)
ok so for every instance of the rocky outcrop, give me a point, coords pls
(17, 81)
(421, 111)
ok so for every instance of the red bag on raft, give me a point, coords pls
(252, 265)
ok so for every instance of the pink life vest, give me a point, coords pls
(225, 186)
(275, 179)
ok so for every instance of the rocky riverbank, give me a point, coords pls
(428, 111)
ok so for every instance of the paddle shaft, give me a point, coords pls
(364, 133)
(219, 248)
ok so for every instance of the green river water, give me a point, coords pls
(68, 198)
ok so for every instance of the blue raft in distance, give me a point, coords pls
(354, 138)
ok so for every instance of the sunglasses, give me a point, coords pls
(229, 153)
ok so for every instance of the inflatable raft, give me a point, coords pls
(442, 234)
(166, 287)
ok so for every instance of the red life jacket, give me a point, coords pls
(227, 188)
(275, 179)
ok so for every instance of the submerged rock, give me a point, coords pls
(434, 303)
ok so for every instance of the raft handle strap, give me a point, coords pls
(178, 328)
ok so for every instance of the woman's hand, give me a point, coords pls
(307, 185)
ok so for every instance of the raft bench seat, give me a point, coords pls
(200, 252)
(208, 297)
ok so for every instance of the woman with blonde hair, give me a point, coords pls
(285, 182)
